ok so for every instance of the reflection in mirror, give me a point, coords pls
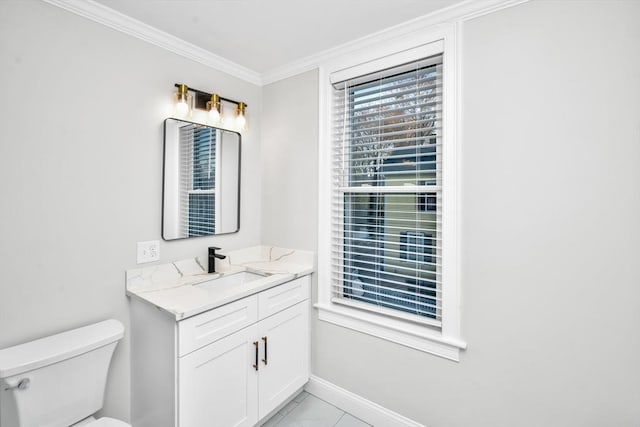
(201, 194)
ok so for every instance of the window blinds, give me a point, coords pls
(197, 180)
(387, 192)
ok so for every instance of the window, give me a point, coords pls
(197, 180)
(387, 149)
(387, 257)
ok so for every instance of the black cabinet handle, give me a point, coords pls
(255, 343)
(265, 350)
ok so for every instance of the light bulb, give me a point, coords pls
(241, 120)
(214, 109)
(214, 116)
(182, 100)
(182, 108)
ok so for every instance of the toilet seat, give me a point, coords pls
(107, 422)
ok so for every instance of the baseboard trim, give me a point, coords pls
(366, 410)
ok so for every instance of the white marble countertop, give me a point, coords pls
(174, 288)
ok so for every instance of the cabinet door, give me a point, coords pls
(217, 384)
(287, 356)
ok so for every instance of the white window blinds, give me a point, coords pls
(387, 192)
(197, 180)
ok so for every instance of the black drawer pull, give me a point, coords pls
(265, 350)
(255, 343)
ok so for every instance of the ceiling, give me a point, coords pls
(263, 35)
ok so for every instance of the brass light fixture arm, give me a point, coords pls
(207, 95)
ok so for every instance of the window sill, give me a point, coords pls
(405, 333)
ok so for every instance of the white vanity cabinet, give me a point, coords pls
(229, 366)
(216, 386)
(286, 366)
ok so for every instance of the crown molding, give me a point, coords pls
(466, 10)
(118, 21)
(460, 12)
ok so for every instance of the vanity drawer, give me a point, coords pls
(282, 296)
(198, 331)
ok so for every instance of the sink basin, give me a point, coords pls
(229, 281)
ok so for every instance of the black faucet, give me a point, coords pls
(212, 258)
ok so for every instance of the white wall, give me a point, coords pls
(82, 108)
(289, 142)
(550, 231)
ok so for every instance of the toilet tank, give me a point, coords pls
(58, 380)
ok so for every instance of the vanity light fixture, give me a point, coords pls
(212, 103)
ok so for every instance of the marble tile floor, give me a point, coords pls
(306, 410)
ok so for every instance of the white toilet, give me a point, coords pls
(59, 381)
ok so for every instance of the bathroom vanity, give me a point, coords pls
(226, 349)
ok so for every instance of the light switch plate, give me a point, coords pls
(148, 251)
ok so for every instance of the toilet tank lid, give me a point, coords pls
(52, 349)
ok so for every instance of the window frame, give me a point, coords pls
(446, 340)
